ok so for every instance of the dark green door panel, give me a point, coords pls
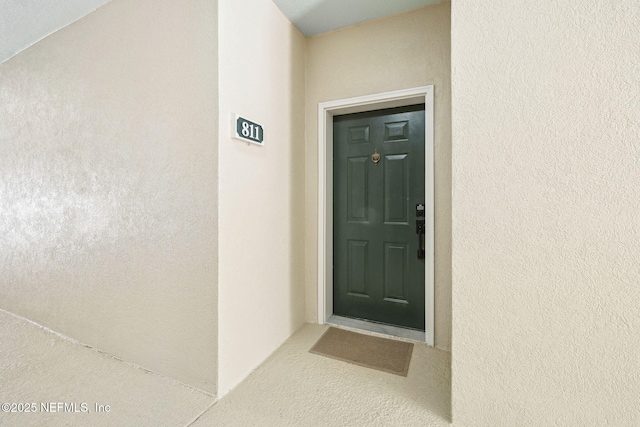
(377, 273)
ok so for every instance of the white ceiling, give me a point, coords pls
(25, 22)
(313, 17)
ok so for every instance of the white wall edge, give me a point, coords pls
(326, 111)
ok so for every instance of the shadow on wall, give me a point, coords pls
(297, 183)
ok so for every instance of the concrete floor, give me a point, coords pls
(292, 388)
(38, 366)
(297, 388)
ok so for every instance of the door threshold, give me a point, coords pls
(377, 328)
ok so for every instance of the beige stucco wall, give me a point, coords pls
(261, 212)
(108, 184)
(546, 230)
(400, 52)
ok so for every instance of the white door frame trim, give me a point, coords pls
(326, 111)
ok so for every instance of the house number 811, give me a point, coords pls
(248, 130)
(251, 131)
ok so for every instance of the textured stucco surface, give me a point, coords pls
(261, 212)
(399, 52)
(297, 388)
(38, 366)
(546, 230)
(108, 184)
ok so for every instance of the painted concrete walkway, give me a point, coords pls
(292, 388)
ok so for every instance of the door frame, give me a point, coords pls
(326, 111)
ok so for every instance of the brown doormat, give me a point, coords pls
(365, 350)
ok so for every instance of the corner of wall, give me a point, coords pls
(261, 289)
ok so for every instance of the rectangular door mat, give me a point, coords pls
(365, 350)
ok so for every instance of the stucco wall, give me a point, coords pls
(108, 133)
(546, 230)
(400, 52)
(261, 288)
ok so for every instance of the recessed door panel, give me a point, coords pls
(394, 132)
(358, 186)
(358, 266)
(395, 272)
(396, 195)
(358, 135)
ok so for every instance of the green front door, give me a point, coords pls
(378, 191)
